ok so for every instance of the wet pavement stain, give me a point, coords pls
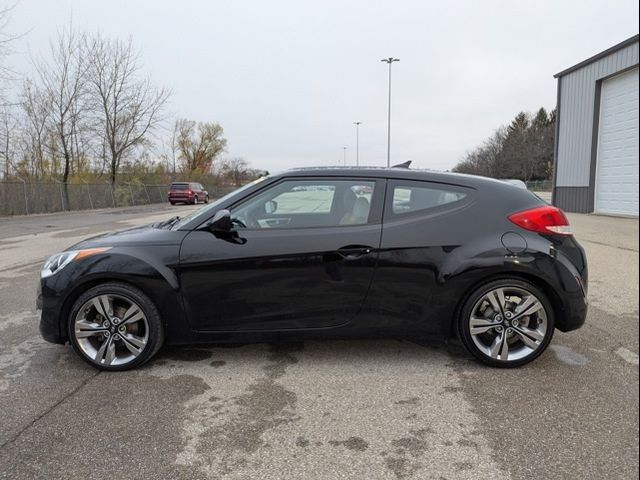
(352, 443)
(461, 466)
(403, 463)
(186, 354)
(225, 448)
(302, 442)
(400, 467)
(467, 443)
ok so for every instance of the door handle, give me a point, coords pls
(351, 252)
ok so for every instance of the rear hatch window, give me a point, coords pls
(179, 186)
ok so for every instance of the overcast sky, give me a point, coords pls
(287, 79)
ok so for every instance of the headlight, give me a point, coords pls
(57, 262)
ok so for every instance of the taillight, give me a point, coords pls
(546, 219)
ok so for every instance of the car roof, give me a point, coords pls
(474, 181)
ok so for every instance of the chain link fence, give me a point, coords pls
(540, 185)
(26, 198)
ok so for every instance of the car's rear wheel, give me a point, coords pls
(506, 323)
(115, 326)
(195, 200)
(206, 199)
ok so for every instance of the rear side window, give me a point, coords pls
(418, 196)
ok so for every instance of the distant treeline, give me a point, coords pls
(522, 150)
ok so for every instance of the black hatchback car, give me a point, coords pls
(327, 252)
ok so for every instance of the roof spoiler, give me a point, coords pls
(402, 165)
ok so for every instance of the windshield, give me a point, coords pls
(203, 213)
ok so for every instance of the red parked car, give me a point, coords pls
(186, 192)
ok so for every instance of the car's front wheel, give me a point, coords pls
(115, 326)
(506, 323)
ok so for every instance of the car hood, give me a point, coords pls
(146, 235)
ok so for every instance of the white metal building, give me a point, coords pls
(596, 150)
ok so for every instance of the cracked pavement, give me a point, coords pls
(374, 409)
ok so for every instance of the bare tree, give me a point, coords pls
(523, 150)
(487, 159)
(63, 79)
(36, 107)
(8, 137)
(127, 108)
(174, 151)
(199, 145)
(235, 170)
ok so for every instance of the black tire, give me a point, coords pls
(206, 199)
(173, 203)
(463, 321)
(195, 200)
(155, 329)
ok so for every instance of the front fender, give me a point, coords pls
(154, 274)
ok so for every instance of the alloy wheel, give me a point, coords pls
(111, 330)
(508, 323)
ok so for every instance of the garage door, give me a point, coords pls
(617, 176)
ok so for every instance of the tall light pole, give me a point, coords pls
(389, 60)
(357, 124)
(344, 156)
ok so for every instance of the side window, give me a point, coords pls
(307, 203)
(414, 197)
(304, 199)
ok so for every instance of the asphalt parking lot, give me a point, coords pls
(319, 410)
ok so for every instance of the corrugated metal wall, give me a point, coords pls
(577, 101)
(574, 199)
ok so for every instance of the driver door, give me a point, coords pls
(305, 260)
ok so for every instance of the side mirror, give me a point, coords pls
(270, 207)
(222, 227)
(221, 222)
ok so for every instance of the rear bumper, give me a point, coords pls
(573, 280)
(574, 313)
(180, 198)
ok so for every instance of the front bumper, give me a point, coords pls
(50, 311)
(39, 296)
